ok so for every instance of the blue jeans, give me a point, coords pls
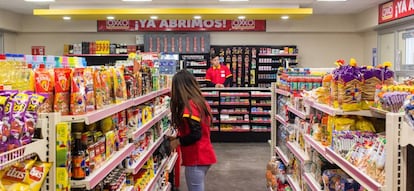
(195, 176)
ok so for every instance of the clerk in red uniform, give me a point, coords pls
(218, 75)
(191, 115)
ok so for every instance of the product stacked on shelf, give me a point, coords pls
(239, 110)
(197, 64)
(255, 66)
(333, 122)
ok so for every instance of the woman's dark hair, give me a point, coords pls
(186, 88)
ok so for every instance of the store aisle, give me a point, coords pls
(240, 167)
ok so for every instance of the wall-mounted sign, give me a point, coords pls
(38, 50)
(180, 25)
(394, 10)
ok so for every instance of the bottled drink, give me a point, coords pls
(78, 159)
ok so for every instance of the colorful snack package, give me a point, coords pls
(20, 104)
(387, 74)
(30, 117)
(37, 175)
(334, 83)
(3, 102)
(44, 85)
(89, 93)
(106, 77)
(62, 90)
(349, 88)
(119, 84)
(77, 99)
(14, 177)
(100, 89)
(372, 78)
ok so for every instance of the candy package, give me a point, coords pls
(77, 100)
(62, 90)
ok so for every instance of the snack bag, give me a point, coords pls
(30, 116)
(334, 83)
(99, 88)
(90, 95)
(37, 175)
(62, 90)
(372, 78)
(14, 177)
(119, 84)
(44, 85)
(77, 99)
(349, 88)
(364, 125)
(387, 74)
(21, 102)
(106, 77)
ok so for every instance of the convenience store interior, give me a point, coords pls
(262, 126)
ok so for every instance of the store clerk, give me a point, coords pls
(218, 75)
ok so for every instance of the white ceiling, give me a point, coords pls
(348, 7)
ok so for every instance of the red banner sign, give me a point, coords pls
(38, 50)
(394, 10)
(180, 25)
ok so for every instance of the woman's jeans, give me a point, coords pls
(195, 176)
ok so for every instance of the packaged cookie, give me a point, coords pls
(372, 78)
(334, 83)
(387, 74)
(62, 90)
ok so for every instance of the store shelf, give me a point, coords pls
(379, 111)
(298, 152)
(261, 130)
(129, 188)
(216, 121)
(261, 95)
(293, 184)
(235, 94)
(356, 173)
(310, 180)
(261, 122)
(234, 121)
(281, 120)
(235, 103)
(260, 113)
(235, 130)
(214, 129)
(282, 92)
(277, 54)
(157, 176)
(97, 115)
(146, 155)
(298, 113)
(171, 162)
(282, 156)
(235, 113)
(315, 145)
(261, 105)
(210, 95)
(141, 130)
(24, 152)
(215, 113)
(98, 175)
(334, 111)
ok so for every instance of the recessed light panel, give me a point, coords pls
(40, 0)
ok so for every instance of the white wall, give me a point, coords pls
(370, 42)
(10, 21)
(10, 42)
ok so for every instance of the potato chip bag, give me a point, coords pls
(37, 175)
(119, 84)
(16, 173)
(44, 83)
(62, 90)
(90, 94)
(99, 89)
(77, 99)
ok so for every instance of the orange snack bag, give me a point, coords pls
(77, 99)
(119, 84)
(106, 77)
(89, 93)
(99, 87)
(44, 85)
(62, 90)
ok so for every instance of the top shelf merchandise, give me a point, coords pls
(357, 142)
(197, 64)
(252, 66)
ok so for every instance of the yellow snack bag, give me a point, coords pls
(37, 175)
(18, 187)
(362, 124)
(16, 173)
(344, 124)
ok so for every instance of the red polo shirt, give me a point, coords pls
(218, 75)
(201, 152)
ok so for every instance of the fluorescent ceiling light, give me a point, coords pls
(284, 17)
(233, 0)
(241, 17)
(136, 0)
(331, 0)
(197, 17)
(153, 17)
(110, 17)
(40, 0)
(66, 18)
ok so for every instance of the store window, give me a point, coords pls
(406, 42)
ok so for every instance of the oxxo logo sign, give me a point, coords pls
(243, 24)
(387, 11)
(117, 24)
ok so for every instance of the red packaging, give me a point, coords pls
(44, 85)
(62, 90)
(77, 99)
